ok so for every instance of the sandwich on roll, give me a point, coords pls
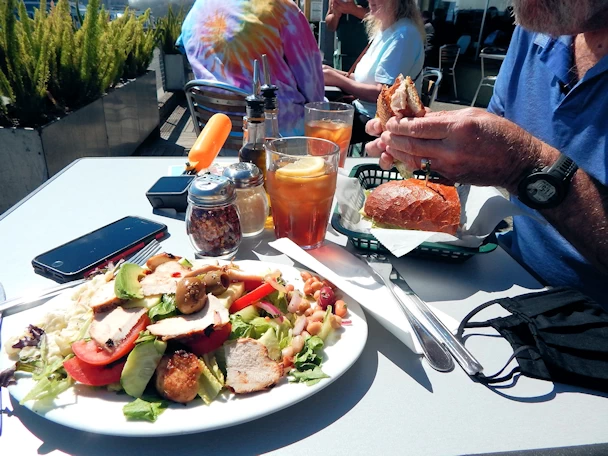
(401, 99)
(414, 204)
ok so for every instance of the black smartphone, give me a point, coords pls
(170, 192)
(80, 257)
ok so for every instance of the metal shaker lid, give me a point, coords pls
(211, 190)
(244, 175)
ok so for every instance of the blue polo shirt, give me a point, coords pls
(537, 90)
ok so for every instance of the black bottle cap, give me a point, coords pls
(255, 106)
(269, 92)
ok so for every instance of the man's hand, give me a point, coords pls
(468, 145)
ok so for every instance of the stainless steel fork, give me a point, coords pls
(463, 356)
(434, 351)
(23, 302)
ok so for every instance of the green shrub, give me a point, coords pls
(170, 28)
(48, 68)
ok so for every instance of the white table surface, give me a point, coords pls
(389, 402)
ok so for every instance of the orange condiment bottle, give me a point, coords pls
(209, 142)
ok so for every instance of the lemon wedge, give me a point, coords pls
(304, 167)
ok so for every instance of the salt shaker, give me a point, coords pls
(212, 219)
(251, 197)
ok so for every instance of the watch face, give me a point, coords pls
(540, 191)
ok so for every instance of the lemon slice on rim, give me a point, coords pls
(304, 167)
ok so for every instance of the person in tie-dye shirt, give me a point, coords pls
(221, 38)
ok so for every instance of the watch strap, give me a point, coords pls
(564, 168)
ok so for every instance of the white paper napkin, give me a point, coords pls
(349, 274)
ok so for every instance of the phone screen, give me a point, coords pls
(88, 250)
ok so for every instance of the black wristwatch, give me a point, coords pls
(547, 188)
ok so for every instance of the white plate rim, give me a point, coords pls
(76, 415)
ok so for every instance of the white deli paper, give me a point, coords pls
(352, 277)
(482, 209)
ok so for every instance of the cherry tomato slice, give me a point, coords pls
(91, 353)
(88, 374)
(250, 298)
(201, 344)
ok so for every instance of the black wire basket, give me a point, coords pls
(370, 176)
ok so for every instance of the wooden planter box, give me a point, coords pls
(113, 125)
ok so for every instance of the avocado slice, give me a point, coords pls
(140, 366)
(148, 302)
(126, 284)
(208, 385)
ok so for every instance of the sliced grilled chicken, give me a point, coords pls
(109, 328)
(249, 367)
(104, 298)
(164, 278)
(214, 313)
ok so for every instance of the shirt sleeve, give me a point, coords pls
(400, 56)
(302, 55)
(497, 102)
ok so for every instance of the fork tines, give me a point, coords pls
(144, 254)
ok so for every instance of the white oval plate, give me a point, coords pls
(100, 411)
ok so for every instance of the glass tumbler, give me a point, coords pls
(332, 121)
(301, 182)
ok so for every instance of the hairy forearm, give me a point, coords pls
(366, 92)
(582, 218)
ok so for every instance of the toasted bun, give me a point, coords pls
(415, 204)
(401, 98)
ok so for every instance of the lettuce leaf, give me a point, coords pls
(308, 362)
(310, 376)
(141, 409)
(240, 328)
(164, 309)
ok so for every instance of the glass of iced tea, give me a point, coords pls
(301, 181)
(332, 121)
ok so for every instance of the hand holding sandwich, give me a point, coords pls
(469, 146)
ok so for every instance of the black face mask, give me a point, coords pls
(558, 335)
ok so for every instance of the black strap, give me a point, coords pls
(465, 321)
(494, 378)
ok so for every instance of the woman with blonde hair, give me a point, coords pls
(396, 30)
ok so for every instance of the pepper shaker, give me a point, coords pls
(212, 219)
(251, 197)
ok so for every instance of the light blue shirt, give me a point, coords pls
(397, 50)
(537, 90)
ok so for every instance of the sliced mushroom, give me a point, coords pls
(156, 260)
(217, 282)
(204, 270)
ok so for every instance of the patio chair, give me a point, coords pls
(431, 78)
(208, 97)
(488, 80)
(448, 57)
(464, 42)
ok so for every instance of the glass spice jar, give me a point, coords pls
(212, 219)
(251, 197)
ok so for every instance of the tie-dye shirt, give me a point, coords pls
(222, 38)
